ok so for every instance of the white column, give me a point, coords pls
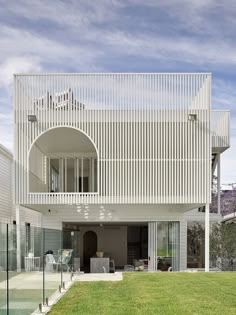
(152, 246)
(65, 182)
(75, 173)
(207, 237)
(183, 244)
(18, 239)
(82, 174)
(61, 175)
(93, 175)
(218, 184)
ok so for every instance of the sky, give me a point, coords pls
(121, 36)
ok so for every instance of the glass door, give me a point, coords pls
(163, 246)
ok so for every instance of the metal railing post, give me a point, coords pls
(61, 258)
(43, 266)
(7, 262)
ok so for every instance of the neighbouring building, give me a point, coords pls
(7, 206)
(124, 160)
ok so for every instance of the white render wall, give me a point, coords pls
(37, 171)
(148, 150)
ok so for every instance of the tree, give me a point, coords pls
(223, 246)
(196, 246)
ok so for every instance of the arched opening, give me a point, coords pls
(63, 159)
(89, 248)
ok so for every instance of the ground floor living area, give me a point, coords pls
(128, 246)
(105, 238)
(104, 247)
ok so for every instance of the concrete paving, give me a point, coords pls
(34, 280)
(117, 276)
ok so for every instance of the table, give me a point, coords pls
(99, 265)
(32, 264)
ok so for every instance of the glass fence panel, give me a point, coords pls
(25, 261)
(34, 264)
(71, 254)
(53, 261)
(3, 268)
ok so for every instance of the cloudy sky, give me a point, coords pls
(120, 36)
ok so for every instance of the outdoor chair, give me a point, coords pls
(49, 263)
(128, 268)
(63, 260)
(65, 256)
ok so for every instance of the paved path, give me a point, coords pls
(117, 276)
(34, 280)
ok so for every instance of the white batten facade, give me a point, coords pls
(117, 148)
(6, 191)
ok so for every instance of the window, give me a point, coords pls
(27, 238)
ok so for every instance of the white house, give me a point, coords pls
(122, 159)
(7, 207)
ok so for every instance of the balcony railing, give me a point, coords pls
(220, 124)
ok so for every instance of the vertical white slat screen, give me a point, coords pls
(148, 149)
(220, 128)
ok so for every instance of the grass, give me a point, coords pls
(153, 293)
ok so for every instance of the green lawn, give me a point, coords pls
(153, 293)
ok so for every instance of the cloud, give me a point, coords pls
(6, 128)
(228, 163)
(172, 49)
(86, 34)
(224, 94)
(41, 50)
(67, 13)
(15, 65)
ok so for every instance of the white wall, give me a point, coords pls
(6, 188)
(38, 171)
(28, 216)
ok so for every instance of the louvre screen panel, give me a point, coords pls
(149, 149)
(220, 122)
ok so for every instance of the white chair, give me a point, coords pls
(50, 262)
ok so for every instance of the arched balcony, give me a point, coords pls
(63, 160)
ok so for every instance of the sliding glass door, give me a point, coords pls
(163, 246)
